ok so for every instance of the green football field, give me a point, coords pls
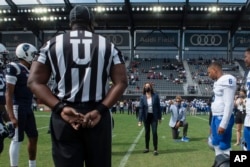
(128, 144)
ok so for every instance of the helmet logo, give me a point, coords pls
(26, 47)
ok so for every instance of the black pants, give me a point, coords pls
(130, 110)
(153, 123)
(89, 147)
(137, 112)
(175, 132)
(121, 110)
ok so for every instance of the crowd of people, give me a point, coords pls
(195, 106)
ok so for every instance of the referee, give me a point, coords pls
(82, 63)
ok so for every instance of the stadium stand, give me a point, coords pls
(171, 77)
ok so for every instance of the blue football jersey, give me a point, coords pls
(2, 87)
(17, 74)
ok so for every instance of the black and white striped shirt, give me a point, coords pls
(80, 62)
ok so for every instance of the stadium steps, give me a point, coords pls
(190, 81)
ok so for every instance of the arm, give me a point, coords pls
(37, 82)
(140, 110)
(159, 114)
(183, 118)
(172, 120)
(120, 83)
(228, 98)
(9, 103)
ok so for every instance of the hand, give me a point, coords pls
(139, 123)
(177, 125)
(14, 122)
(220, 130)
(74, 118)
(91, 119)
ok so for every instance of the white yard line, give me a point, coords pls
(42, 116)
(201, 118)
(130, 150)
(43, 127)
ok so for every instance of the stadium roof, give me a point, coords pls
(39, 15)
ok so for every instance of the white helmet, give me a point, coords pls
(3, 53)
(26, 52)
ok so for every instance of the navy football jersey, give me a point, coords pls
(17, 74)
(2, 87)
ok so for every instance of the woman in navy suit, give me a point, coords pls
(150, 114)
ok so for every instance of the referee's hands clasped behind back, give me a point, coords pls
(77, 120)
(91, 119)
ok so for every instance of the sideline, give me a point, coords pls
(125, 158)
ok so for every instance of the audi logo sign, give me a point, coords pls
(117, 39)
(206, 40)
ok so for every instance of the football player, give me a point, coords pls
(246, 131)
(6, 127)
(222, 120)
(19, 104)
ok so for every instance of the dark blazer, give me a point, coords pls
(143, 112)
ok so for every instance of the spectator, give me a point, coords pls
(121, 107)
(130, 107)
(137, 108)
(240, 113)
(6, 126)
(114, 108)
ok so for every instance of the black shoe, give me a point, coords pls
(156, 153)
(146, 151)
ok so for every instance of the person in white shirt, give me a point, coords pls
(121, 107)
(246, 131)
(222, 108)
